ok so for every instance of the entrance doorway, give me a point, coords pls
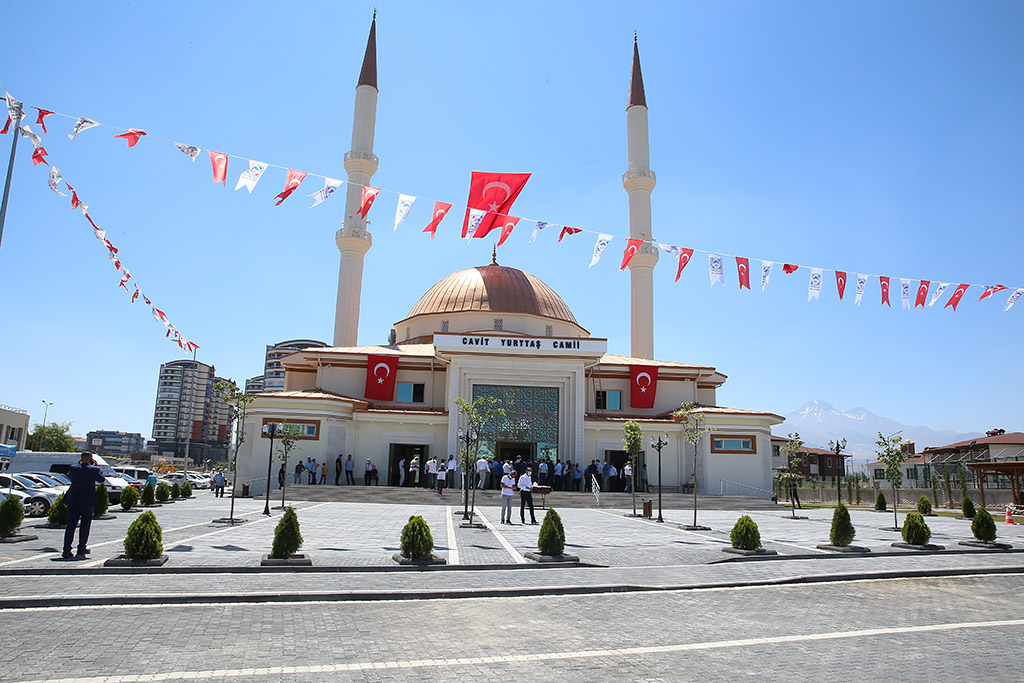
(510, 450)
(619, 459)
(405, 451)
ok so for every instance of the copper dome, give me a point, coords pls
(494, 288)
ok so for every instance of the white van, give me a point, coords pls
(29, 461)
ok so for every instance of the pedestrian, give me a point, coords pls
(577, 473)
(508, 489)
(339, 465)
(542, 473)
(453, 472)
(349, 465)
(414, 467)
(401, 472)
(442, 474)
(312, 472)
(432, 472)
(369, 473)
(218, 484)
(151, 479)
(606, 471)
(298, 472)
(519, 466)
(482, 468)
(281, 474)
(80, 499)
(793, 493)
(559, 470)
(323, 472)
(526, 496)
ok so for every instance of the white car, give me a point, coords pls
(46, 480)
(37, 499)
(196, 481)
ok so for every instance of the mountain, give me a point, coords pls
(818, 422)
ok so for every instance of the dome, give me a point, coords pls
(495, 289)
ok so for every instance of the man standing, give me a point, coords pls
(349, 477)
(323, 472)
(432, 472)
(80, 499)
(627, 477)
(218, 484)
(526, 496)
(558, 475)
(508, 488)
(453, 472)
(299, 468)
(401, 472)
(482, 468)
(442, 474)
(339, 465)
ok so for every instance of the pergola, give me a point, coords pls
(1012, 470)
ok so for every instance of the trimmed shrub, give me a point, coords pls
(175, 490)
(144, 540)
(12, 514)
(287, 539)
(745, 535)
(856, 491)
(880, 501)
(924, 506)
(58, 515)
(551, 540)
(129, 497)
(148, 495)
(915, 530)
(984, 527)
(968, 507)
(842, 528)
(102, 501)
(163, 491)
(416, 538)
(186, 490)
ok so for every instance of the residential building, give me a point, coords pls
(13, 426)
(189, 415)
(273, 372)
(120, 444)
(818, 463)
(255, 385)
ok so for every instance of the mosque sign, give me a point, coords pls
(491, 343)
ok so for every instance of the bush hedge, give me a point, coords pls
(880, 501)
(915, 530)
(287, 539)
(129, 497)
(102, 501)
(924, 506)
(144, 540)
(842, 528)
(175, 490)
(163, 491)
(186, 490)
(58, 515)
(983, 526)
(745, 535)
(551, 540)
(416, 538)
(968, 507)
(12, 514)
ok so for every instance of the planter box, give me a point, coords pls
(297, 560)
(537, 557)
(105, 515)
(740, 551)
(19, 538)
(995, 545)
(418, 561)
(229, 520)
(692, 527)
(154, 505)
(913, 546)
(125, 561)
(855, 549)
(134, 508)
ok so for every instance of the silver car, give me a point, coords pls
(39, 499)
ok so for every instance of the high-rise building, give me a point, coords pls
(255, 385)
(189, 416)
(273, 370)
(120, 444)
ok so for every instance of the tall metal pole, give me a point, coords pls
(10, 171)
(42, 434)
(271, 429)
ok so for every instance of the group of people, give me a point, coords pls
(612, 479)
(316, 473)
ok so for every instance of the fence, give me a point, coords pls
(994, 498)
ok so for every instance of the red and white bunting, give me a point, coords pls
(766, 273)
(537, 227)
(191, 151)
(331, 186)
(54, 181)
(566, 230)
(862, 283)
(132, 135)
(922, 293)
(905, 293)
(958, 294)
(715, 269)
(476, 219)
(405, 202)
(632, 246)
(841, 283)
(684, 257)
(37, 156)
(1013, 298)
(508, 223)
(990, 290)
(937, 293)
(249, 177)
(814, 285)
(41, 118)
(369, 194)
(743, 271)
(82, 124)
(219, 162)
(885, 290)
(789, 268)
(291, 183)
(602, 243)
(440, 211)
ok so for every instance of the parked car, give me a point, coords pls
(46, 480)
(38, 499)
(132, 480)
(140, 473)
(61, 462)
(196, 481)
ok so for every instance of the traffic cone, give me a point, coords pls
(1009, 514)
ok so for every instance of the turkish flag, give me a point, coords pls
(632, 246)
(922, 293)
(132, 136)
(41, 119)
(74, 198)
(493, 193)
(566, 230)
(989, 291)
(957, 295)
(291, 183)
(643, 385)
(743, 269)
(369, 194)
(507, 223)
(220, 168)
(440, 211)
(380, 377)
(684, 258)
(789, 268)
(885, 290)
(841, 283)
(37, 157)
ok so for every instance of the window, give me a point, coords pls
(733, 444)
(444, 325)
(775, 451)
(879, 474)
(499, 323)
(407, 392)
(549, 330)
(828, 462)
(608, 400)
(308, 429)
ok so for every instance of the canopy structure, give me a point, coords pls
(1012, 470)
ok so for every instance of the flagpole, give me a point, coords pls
(10, 171)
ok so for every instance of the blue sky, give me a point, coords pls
(872, 137)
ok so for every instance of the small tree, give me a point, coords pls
(148, 495)
(186, 490)
(551, 540)
(842, 527)
(968, 507)
(745, 535)
(915, 530)
(947, 485)
(287, 539)
(694, 429)
(288, 438)
(58, 438)
(479, 415)
(892, 456)
(102, 501)
(924, 506)
(633, 440)
(962, 475)
(129, 497)
(880, 504)
(58, 515)
(163, 491)
(856, 489)
(416, 539)
(12, 514)
(850, 479)
(983, 526)
(935, 488)
(239, 402)
(790, 473)
(175, 491)
(144, 540)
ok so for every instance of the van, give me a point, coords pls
(30, 461)
(140, 473)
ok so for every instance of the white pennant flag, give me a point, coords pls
(82, 124)
(937, 293)
(475, 216)
(55, 178)
(330, 187)
(766, 273)
(715, 269)
(905, 293)
(405, 202)
(862, 283)
(189, 151)
(814, 285)
(1013, 298)
(26, 132)
(251, 176)
(668, 248)
(603, 241)
(15, 109)
(538, 226)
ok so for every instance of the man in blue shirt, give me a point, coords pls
(80, 499)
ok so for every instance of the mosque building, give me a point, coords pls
(497, 331)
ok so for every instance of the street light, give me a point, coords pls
(658, 445)
(468, 438)
(42, 435)
(270, 429)
(838, 447)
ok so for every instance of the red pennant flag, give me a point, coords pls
(494, 193)
(643, 385)
(632, 246)
(369, 194)
(989, 291)
(135, 295)
(507, 224)
(954, 300)
(291, 184)
(40, 120)
(37, 157)
(789, 268)
(684, 258)
(922, 293)
(380, 377)
(220, 168)
(568, 231)
(743, 269)
(132, 136)
(6, 127)
(885, 290)
(841, 283)
(74, 199)
(440, 211)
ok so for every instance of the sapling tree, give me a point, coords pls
(892, 456)
(694, 429)
(288, 437)
(633, 440)
(239, 401)
(790, 475)
(479, 415)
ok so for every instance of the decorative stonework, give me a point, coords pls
(636, 173)
(359, 154)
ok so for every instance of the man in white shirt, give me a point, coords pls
(432, 472)
(508, 489)
(453, 472)
(401, 472)
(559, 468)
(627, 477)
(526, 496)
(482, 468)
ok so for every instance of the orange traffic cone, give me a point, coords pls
(1009, 514)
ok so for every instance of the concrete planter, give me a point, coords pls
(418, 561)
(121, 510)
(47, 525)
(995, 545)
(19, 538)
(229, 520)
(749, 553)
(692, 527)
(105, 515)
(792, 517)
(125, 561)
(914, 546)
(852, 549)
(297, 560)
(537, 557)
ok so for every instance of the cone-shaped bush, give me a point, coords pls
(148, 495)
(287, 539)
(186, 490)
(968, 507)
(745, 534)
(983, 527)
(175, 490)
(163, 491)
(12, 513)
(129, 497)
(551, 540)
(842, 528)
(58, 515)
(915, 531)
(856, 492)
(880, 501)
(102, 501)
(144, 540)
(924, 506)
(416, 538)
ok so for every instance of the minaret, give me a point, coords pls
(639, 181)
(354, 239)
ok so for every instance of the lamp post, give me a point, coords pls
(468, 438)
(658, 445)
(42, 434)
(837, 447)
(270, 429)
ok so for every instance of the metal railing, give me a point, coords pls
(726, 483)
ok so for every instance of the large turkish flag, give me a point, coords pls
(643, 385)
(493, 193)
(380, 377)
